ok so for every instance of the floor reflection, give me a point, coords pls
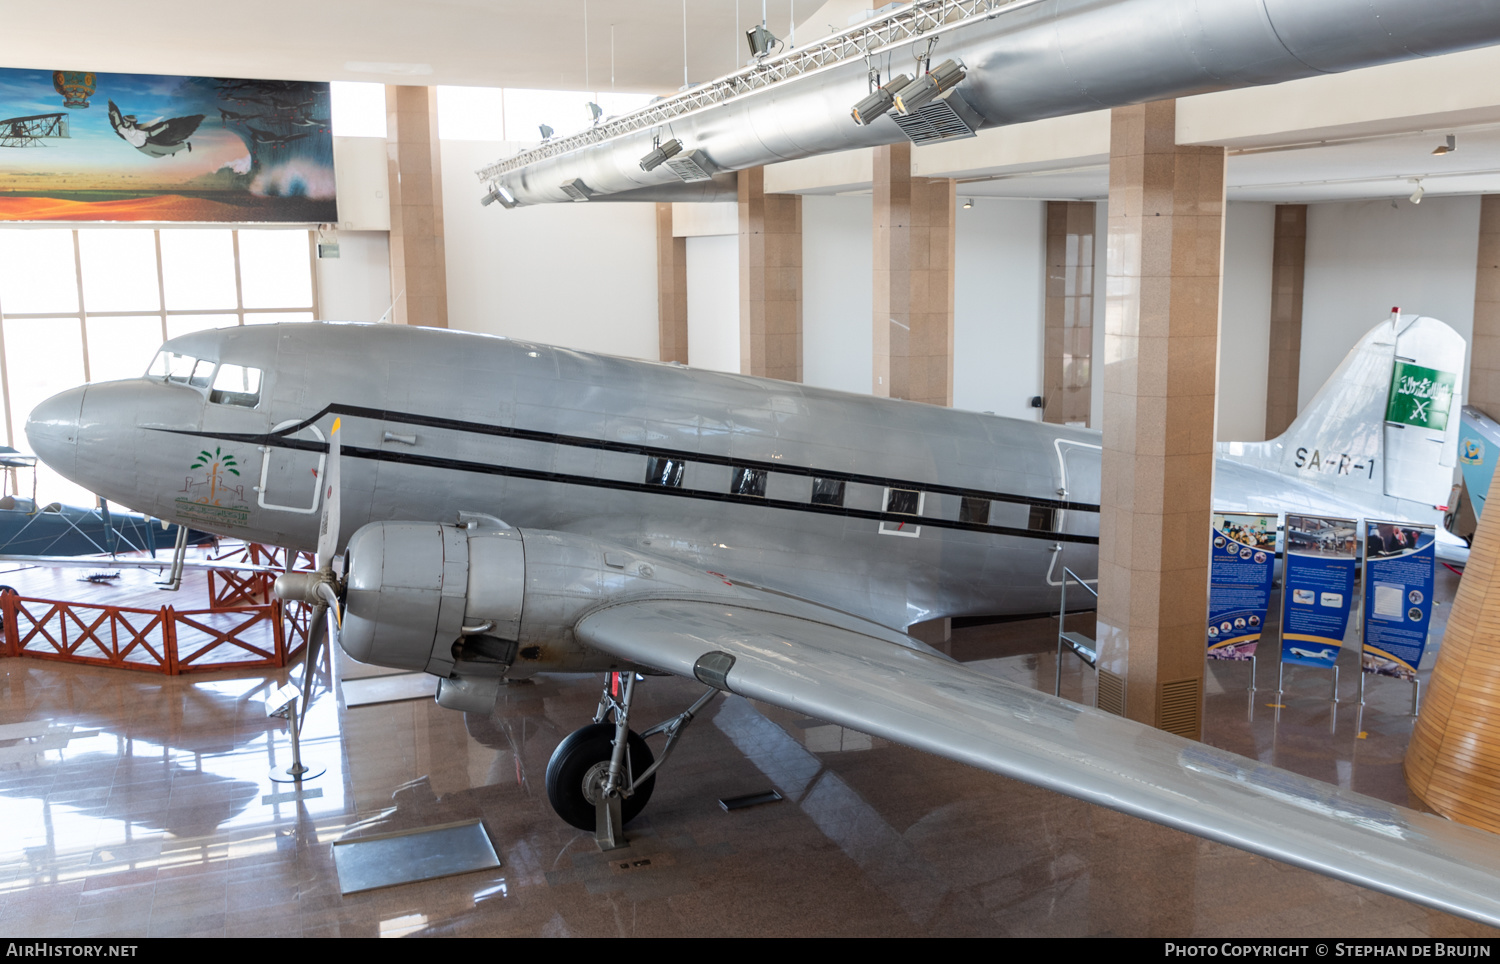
(142, 805)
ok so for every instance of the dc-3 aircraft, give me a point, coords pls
(518, 508)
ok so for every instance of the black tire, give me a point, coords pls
(570, 765)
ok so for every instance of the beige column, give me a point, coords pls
(419, 277)
(770, 280)
(1288, 257)
(1068, 343)
(913, 307)
(1166, 239)
(671, 288)
(1484, 350)
(1453, 760)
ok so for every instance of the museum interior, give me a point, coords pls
(1170, 312)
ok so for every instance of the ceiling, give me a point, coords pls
(478, 43)
(524, 43)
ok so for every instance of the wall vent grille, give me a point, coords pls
(1111, 693)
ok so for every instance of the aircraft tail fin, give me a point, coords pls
(1386, 422)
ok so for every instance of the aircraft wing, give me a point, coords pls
(832, 671)
(106, 562)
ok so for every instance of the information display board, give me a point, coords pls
(1400, 566)
(1243, 559)
(1317, 589)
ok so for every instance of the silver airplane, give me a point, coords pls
(518, 508)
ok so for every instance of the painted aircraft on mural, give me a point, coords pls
(517, 508)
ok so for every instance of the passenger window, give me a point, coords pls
(828, 492)
(749, 482)
(904, 502)
(665, 472)
(236, 385)
(1042, 518)
(974, 510)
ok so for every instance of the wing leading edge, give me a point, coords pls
(838, 674)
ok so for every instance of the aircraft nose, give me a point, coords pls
(52, 429)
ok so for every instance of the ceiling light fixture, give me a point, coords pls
(660, 153)
(595, 111)
(1416, 196)
(761, 41)
(942, 79)
(547, 131)
(968, 203)
(1446, 148)
(879, 101)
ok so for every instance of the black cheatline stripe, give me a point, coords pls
(283, 440)
(485, 468)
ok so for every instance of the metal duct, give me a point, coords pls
(1025, 60)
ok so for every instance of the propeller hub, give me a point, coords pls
(300, 586)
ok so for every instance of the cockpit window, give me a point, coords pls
(236, 385)
(182, 369)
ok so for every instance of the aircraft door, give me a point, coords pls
(291, 478)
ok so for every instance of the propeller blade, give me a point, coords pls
(317, 631)
(331, 600)
(328, 529)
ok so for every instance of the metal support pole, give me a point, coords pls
(1416, 693)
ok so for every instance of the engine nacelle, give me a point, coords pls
(420, 595)
(473, 604)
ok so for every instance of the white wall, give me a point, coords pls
(713, 302)
(1365, 257)
(1245, 320)
(998, 290)
(356, 286)
(838, 292)
(579, 275)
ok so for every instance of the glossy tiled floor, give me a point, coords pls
(140, 805)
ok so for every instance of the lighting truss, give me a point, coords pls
(913, 22)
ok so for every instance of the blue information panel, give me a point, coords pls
(1242, 562)
(1317, 589)
(1400, 563)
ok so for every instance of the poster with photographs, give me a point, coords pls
(76, 145)
(1242, 562)
(1400, 568)
(1317, 591)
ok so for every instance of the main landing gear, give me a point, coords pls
(592, 782)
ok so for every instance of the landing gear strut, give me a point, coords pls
(592, 782)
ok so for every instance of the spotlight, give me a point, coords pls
(968, 203)
(760, 40)
(659, 154)
(499, 193)
(595, 111)
(547, 132)
(941, 79)
(1416, 196)
(1447, 148)
(879, 101)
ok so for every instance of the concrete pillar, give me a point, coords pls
(1068, 342)
(1484, 351)
(671, 288)
(1453, 761)
(913, 316)
(1166, 241)
(1288, 257)
(419, 276)
(770, 280)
